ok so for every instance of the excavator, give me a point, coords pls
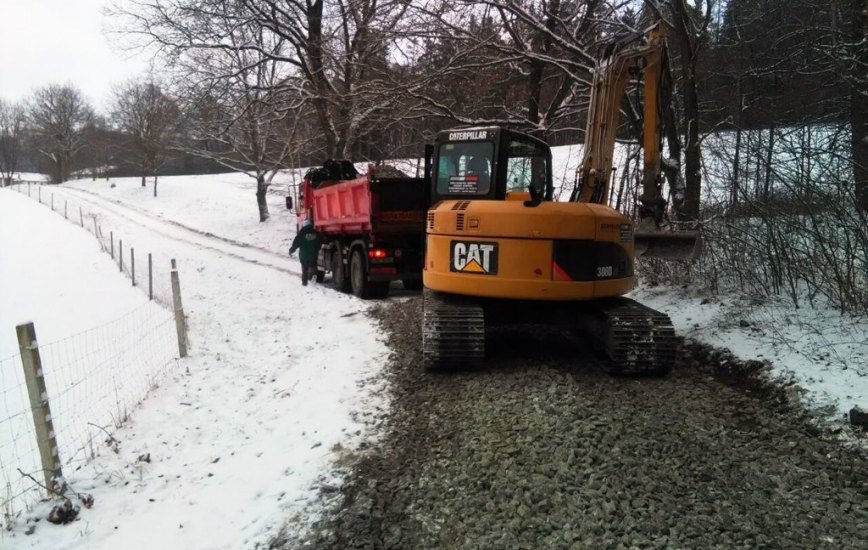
(500, 251)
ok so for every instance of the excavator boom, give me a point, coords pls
(593, 178)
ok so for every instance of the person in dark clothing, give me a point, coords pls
(307, 242)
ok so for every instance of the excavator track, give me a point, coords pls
(638, 340)
(453, 332)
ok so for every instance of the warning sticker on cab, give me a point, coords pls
(473, 257)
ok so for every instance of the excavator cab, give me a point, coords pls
(490, 163)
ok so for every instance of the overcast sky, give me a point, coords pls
(62, 41)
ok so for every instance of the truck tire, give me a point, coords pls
(339, 273)
(362, 287)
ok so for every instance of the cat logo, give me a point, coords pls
(473, 257)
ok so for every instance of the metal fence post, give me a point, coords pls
(39, 193)
(180, 321)
(121, 255)
(28, 188)
(36, 390)
(150, 277)
(52, 202)
(112, 239)
(81, 216)
(133, 264)
(65, 204)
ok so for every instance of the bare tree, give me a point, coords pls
(335, 55)
(105, 148)
(58, 116)
(12, 119)
(241, 114)
(148, 118)
(518, 63)
(341, 55)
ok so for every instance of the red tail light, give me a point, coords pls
(377, 253)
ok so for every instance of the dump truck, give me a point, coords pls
(373, 226)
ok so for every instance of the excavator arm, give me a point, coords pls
(593, 177)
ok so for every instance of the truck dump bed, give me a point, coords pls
(370, 205)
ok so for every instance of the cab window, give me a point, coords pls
(464, 168)
(525, 166)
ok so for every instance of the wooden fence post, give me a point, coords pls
(28, 188)
(150, 277)
(65, 204)
(43, 424)
(133, 264)
(52, 202)
(180, 321)
(39, 193)
(81, 216)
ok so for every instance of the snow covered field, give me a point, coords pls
(101, 342)
(241, 432)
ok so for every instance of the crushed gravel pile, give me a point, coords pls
(542, 449)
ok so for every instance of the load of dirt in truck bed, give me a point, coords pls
(387, 171)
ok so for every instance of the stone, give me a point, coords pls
(858, 417)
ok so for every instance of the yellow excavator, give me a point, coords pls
(499, 250)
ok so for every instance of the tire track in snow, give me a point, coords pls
(184, 234)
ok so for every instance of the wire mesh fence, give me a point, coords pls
(93, 379)
(147, 270)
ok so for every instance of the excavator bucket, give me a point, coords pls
(668, 245)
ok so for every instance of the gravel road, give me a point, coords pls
(542, 449)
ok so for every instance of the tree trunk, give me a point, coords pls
(856, 35)
(64, 169)
(692, 149)
(537, 67)
(671, 169)
(859, 140)
(736, 166)
(767, 183)
(261, 188)
(155, 184)
(317, 76)
(534, 92)
(143, 179)
(56, 169)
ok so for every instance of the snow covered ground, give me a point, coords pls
(241, 433)
(822, 352)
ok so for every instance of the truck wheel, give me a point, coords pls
(339, 273)
(412, 284)
(362, 287)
